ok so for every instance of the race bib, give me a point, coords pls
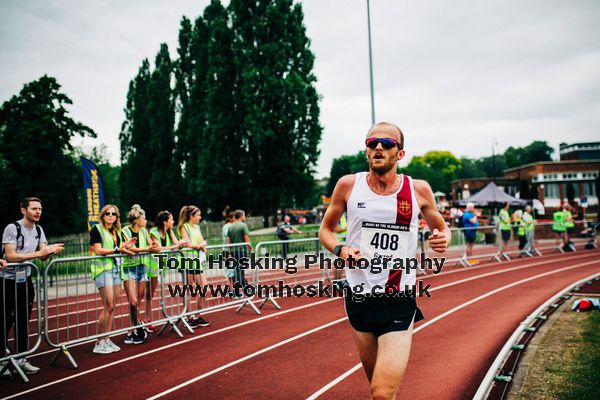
(384, 241)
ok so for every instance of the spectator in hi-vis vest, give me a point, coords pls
(558, 226)
(505, 227)
(529, 229)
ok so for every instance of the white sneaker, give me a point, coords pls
(27, 368)
(102, 348)
(112, 346)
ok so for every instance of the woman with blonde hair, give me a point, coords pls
(163, 238)
(189, 230)
(134, 268)
(105, 239)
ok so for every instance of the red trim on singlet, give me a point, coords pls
(404, 214)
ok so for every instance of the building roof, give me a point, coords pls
(562, 162)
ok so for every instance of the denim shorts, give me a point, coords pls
(136, 273)
(109, 278)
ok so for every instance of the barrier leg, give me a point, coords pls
(248, 302)
(63, 349)
(272, 300)
(14, 368)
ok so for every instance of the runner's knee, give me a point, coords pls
(380, 391)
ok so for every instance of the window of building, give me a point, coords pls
(589, 188)
(551, 191)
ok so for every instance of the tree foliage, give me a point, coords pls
(36, 156)
(344, 165)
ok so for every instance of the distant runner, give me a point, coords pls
(382, 209)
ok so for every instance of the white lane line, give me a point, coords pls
(179, 343)
(54, 350)
(209, 373)
(355, 368)
(249, 356)
(212, 333)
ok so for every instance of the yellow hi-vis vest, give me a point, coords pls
(520, 226)
(143, 242)
(195, 235)
(568, 215)
(504, 217)
(153, 263)
(558, 221)
(101, 265)
(529, 223)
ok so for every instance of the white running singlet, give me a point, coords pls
(382, 227)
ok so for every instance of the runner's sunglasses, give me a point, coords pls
(386, 143)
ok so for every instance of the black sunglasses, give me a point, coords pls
(114, 214)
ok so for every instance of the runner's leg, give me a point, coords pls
(392, 357)
(366, 343)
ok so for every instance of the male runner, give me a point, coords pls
(382, 209)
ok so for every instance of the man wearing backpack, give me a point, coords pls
(22, 241)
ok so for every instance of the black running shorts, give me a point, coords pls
(381, 315)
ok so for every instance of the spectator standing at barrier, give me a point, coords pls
(284, 230)
(22, 241)
(135, 272)
(239, 233)
(106, 239)
(163, 238)
(529, 230)
(470, 224)
(559, 227)
(189, 231)
(569, 221)
(229, 273)
(505, 228)
(520, 228)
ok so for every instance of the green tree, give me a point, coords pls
(36, 156)
(164, 191)
(470, 168)
(533, 152)
(344, 165)
(439, 168)
(277, 100)
(137, 150)
(223, 145)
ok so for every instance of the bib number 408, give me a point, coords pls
(385, 241)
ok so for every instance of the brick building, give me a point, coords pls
(549, 181)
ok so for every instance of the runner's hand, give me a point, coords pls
(437, 241)
(350, 252)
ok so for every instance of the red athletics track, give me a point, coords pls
(449, 357)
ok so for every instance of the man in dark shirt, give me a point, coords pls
(238, 233)
(284, 231)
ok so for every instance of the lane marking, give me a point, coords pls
(249, 356)
(423, 326)
(184, 341)
(179, 343)
(355, 368)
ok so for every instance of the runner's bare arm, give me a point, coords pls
(440, 233)
(333, 214)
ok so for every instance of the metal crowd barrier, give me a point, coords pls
(72, 304)
(221, 276)
(15, 307)
(72, 307)
(292, 262)
(489, 244)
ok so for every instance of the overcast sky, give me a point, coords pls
(454, 75)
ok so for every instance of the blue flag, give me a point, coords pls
(92, 187)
